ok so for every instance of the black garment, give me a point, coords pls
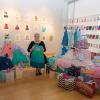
(74, 71)
(40, 44)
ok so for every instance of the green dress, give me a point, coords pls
(37, 57)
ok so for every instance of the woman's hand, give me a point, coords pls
(30, 50)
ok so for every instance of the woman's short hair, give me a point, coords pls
(36, 34)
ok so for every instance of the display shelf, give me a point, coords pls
(90, 26)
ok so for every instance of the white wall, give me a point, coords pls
(25, 10)
(85, 8)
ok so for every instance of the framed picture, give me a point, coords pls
(51, 38)
(6, 36)
(27, 37)
(17, 37)
(43, 37)
(43, 29)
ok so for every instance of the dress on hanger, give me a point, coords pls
(65, 38)
(75, 38)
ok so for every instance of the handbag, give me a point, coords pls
(85, 88)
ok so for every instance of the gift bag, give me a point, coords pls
(85, 88)
(2, 75)
(18, 72)
(9, 75)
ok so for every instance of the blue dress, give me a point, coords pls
(5, 63)
(65, 39)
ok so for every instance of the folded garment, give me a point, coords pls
(96, 61)
(97, 73)
(74, 71)
(5, 63)
(65, 76)
(86, 78)
(89, 72)
(64, 63)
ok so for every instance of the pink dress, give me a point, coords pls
(72, 58)
(7, 49)
(62, 63)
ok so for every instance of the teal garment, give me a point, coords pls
(19, 57)
(37, 57)
(75, 38)
(79, 35)
(69, 39)
(66, 70)
(52, 60)
(59, 70)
